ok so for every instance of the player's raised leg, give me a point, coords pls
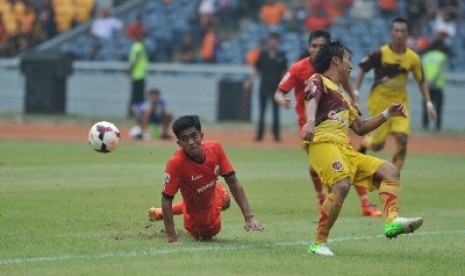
(156, 214)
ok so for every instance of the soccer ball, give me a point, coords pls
(104, 137)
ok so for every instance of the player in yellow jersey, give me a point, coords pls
(330, 114)
(392, 64)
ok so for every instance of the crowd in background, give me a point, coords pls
(25, 23)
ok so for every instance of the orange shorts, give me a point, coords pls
(205, 224)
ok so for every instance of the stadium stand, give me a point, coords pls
(167, 21)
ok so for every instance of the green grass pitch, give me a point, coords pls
(67, 210)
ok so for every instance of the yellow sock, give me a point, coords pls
(389, 191)
(329, 213)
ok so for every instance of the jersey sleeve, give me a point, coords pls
(226, 168)
(370, 61)
(288, 81)
(417, 68)
(315, 88)
(172, 179)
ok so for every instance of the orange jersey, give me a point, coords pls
(296, 78)
(197, 181)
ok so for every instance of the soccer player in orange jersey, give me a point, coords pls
(194, 170)
(330, 114)
(392, 64)
(296, 78)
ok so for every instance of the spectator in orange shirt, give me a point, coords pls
(318, 19)
(209, 44)
(135, 28)
(387, 7)
(272, 12)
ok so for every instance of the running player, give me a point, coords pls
(329, 117)
(391, 64)
(296, 78)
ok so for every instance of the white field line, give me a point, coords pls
(232, 247)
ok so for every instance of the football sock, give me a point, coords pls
(329, 213)
(389, 191)
(363, 196)
(316, 181)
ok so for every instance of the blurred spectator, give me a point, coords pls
(272, 12)
(417, 12)
(206, 12)
(318, 18)
(152, 114)
(186, 53)
(135, 27)
(46, 19)
(253, 53)
(452, 7)
(3, 37)
(443, 26)
(209, 45)
(105, 26)
(388, 8)
(363, 10)
(271, 66)
(417, 41)
(27, 23)
(294, 19)
(138, 64)
(337, 8)
(435, 67)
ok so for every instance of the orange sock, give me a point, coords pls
(363, 196)
(389, 191)
(316, 181)
(177, 208)
(329, 213)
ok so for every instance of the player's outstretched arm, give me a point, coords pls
(166, 205)
(281, 99)
(239, 195)
(362, 127)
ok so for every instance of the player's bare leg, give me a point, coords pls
(400, 154)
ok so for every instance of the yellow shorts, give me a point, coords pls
(375, 106)
(334, 162)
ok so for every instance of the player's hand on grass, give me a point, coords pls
(252, 223)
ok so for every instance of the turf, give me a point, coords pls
(67, 210)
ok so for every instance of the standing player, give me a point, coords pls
(194, 170)
(392, 63)
(296, 78)
(329, 117)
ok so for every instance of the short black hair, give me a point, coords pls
(184, 122)
(317, 34)
(322, 60)
(154, 91)
(399, 20)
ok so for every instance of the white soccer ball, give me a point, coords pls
(104, 137)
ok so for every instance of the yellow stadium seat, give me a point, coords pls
(81, 14)
(18, 9)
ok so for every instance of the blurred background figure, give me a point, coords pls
(186, 52)
(135, 28)
(138, 64)
(152, 118)
(105, 26)
(271, 66)
(435, 67)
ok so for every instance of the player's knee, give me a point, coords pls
(341, 188)
(226, 205)
(387, 171)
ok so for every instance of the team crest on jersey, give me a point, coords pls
(333, 115)
(217, 169)
(337, 165)
(167, 178)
